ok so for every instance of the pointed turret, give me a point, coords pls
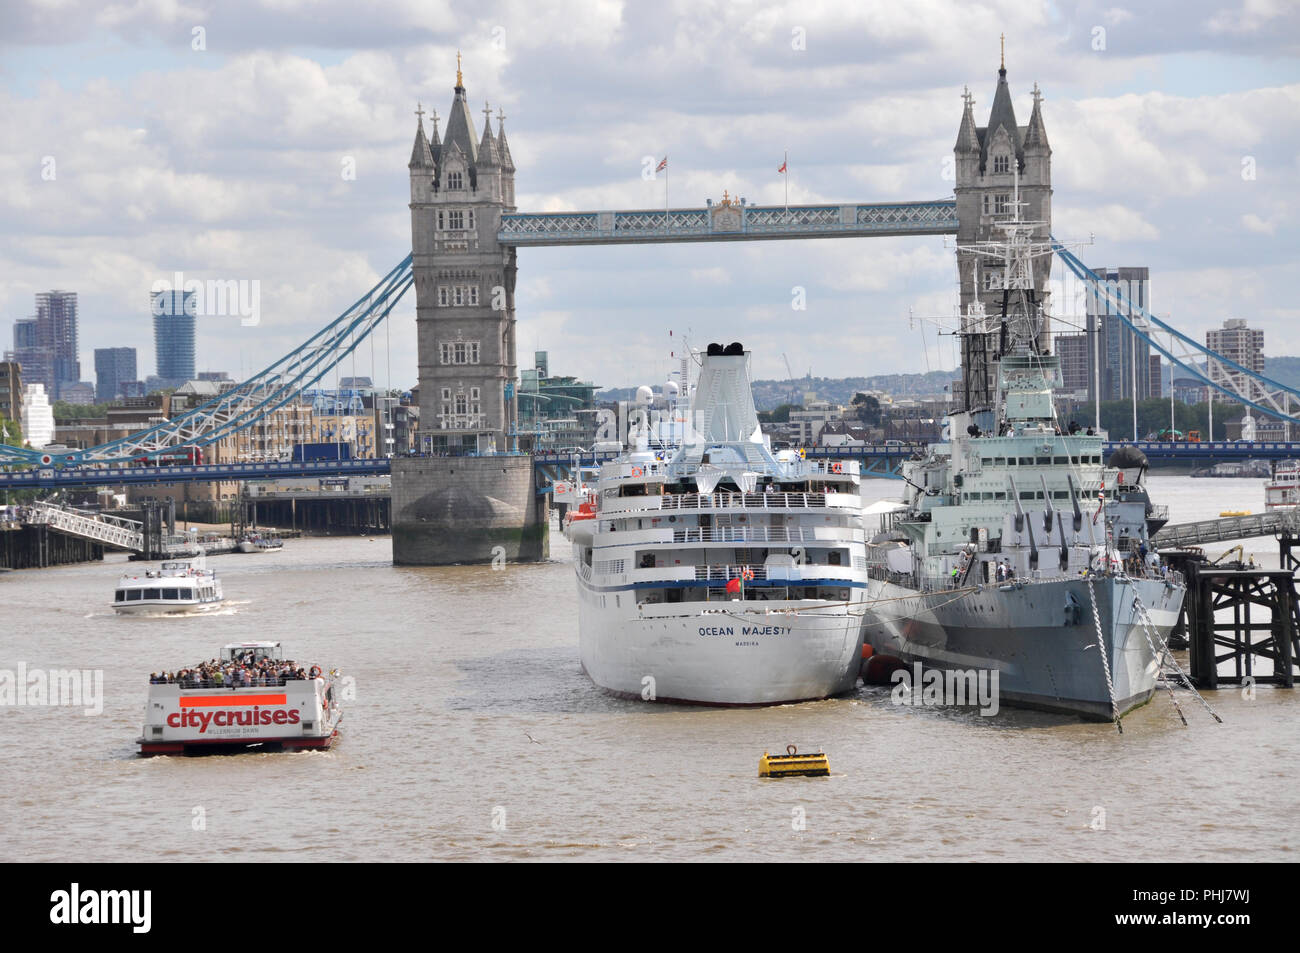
(488, 154)
(1002, 116)
(503, 147)
(460, 124)
(968, 139)
(1036, 135)
(421, 154)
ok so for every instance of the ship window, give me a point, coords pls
(1026, 494)
(153, 594)
(121, 595)
(999, 461)
(1059, 461)
(171, 593)
(1011, 461)
(1043, 461)
(132, 595)
(1026, 461)
(187, 593)
(999, 495)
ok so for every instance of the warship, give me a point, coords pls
(1018, 550)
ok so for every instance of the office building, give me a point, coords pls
(174, 320)
(114, 366)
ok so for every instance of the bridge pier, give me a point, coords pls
(1263, 626)
(448, 510)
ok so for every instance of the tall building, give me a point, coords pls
(1155, 375)
(464, 283)
(38, 416)
(992, 163)
(1122, 352)
(11, 391)
(173, 335)
(114, 366)
(1241, 344)
(37, 362)
(56, 328)
(1076, 372)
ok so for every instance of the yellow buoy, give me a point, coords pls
(792, 764)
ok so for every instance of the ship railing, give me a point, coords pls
(191, 683)
(729, 572)
(766, 534)
(707, 501)
(1158, 511)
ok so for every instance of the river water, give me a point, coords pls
(474, 735)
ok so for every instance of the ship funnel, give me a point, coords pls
(722, 405)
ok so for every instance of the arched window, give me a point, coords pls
(1001, 165)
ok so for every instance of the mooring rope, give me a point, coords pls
(1105, 658)
(1149, 627)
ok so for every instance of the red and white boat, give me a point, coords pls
(1283, 489)
(244, 699)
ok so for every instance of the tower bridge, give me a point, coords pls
(469, 496)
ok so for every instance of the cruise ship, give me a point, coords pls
(1018, 548)
(717, 572)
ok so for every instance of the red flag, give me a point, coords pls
(733, 585)
(662, 165)
(783, 165)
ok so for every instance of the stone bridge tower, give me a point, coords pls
(471, 499)
(991, 162)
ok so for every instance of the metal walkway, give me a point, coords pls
(1228, 528)
(728, 222)
(108, 530)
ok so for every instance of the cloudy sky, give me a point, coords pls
(148, 137)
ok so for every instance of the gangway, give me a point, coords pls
(1228, 528)
(108, 530)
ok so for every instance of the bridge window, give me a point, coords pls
(458, 298)
(458, 351)
(1001, 165)
(446, 391)
(473, 348)
(442, 301)
(992, 279)
(473, 294)
(455, 180)
(456, 220)
(1000, 203)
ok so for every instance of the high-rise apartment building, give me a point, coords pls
(173, 335)
(1124, 355)
(56, 329)
(1241, 344)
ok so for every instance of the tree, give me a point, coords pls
(866, 409)
(11, 433)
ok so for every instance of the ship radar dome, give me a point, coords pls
(644, 395)
(671, 389)
(1128, 458)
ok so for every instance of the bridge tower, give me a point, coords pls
(470, 500)
(992, 161)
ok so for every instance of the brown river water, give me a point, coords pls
(474, 735)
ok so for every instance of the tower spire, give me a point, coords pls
(459, 81)
(1003, 67)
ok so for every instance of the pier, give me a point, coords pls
(1263, 628)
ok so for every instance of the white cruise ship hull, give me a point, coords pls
(730, 653)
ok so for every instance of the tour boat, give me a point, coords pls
(197, 712)
(177, 587)
(1282, 492)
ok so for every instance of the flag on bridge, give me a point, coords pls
(662, 165)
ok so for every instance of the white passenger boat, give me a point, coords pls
(250, 696)
(176, 587)
(1282, 492)
(720, 573)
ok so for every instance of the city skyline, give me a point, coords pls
(1151, 136)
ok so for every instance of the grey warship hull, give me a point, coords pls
(1040, 636)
